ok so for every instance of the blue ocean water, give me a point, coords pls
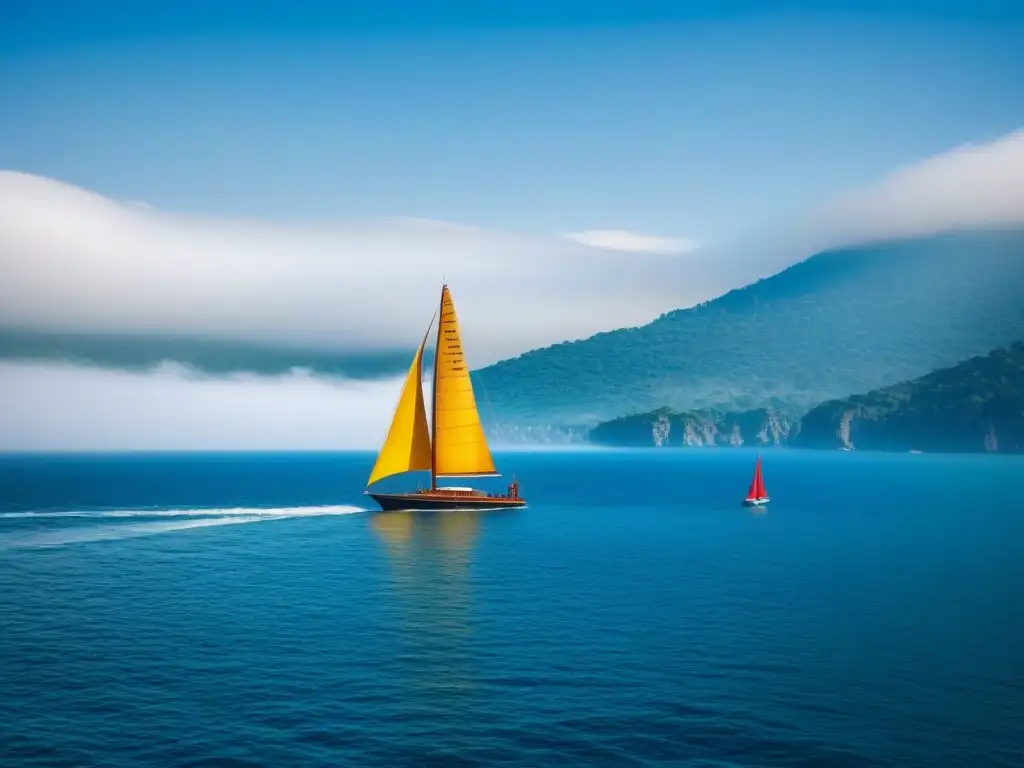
(169, 610)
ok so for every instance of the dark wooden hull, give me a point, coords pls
(393, 502)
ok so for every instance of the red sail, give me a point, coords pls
(756, 490)
(752, 491)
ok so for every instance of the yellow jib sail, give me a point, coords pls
(460, 448)
(407, 445)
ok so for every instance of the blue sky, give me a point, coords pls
(690, 120)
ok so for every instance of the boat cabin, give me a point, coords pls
(459, 491)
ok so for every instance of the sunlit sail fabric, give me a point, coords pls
(407, 445)
(460, 448)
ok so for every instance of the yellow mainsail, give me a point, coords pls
(460, 448)
(407, 445)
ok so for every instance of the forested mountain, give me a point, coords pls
(977, 405)
(842, 321)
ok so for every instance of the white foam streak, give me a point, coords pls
(260, 512)
(183, 519)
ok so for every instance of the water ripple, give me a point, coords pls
(653, 635)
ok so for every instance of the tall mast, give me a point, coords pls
(433, 395)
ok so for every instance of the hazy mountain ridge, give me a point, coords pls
(854, 319)
(536, 434)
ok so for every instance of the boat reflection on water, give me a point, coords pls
(436, 542)
(429, 560)
(441, 534)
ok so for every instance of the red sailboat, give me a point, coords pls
(757, 496)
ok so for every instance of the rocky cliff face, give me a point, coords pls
(875, 429)
(976, 406)
(663, 428)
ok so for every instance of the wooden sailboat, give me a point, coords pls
(455, 447)
(757, 496)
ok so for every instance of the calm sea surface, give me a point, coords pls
(245, 610)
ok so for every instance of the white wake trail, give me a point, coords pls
(185, 519)
(273, 512)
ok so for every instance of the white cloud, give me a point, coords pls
(54, 406)
(970, 186)
(72, 259)
(974, 185)
(624, 240)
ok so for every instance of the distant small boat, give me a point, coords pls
(757, 496)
